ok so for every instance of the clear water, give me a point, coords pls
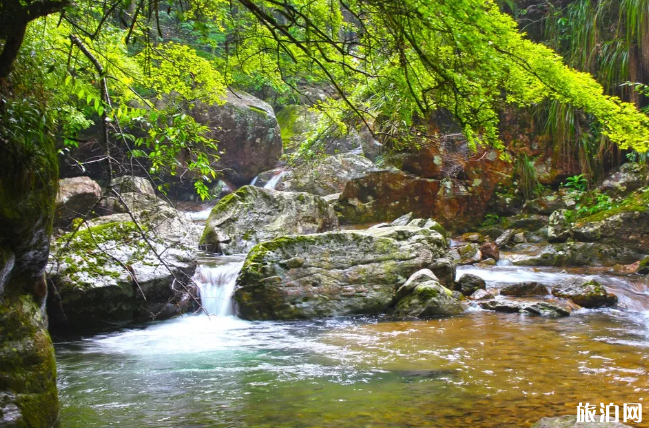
(216, 279)
(476, 370)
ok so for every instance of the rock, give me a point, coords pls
(489, 250)
(473, 237)
(546, 205)
(469, 284)
(252, 215)
(529, 222)
(331, 199)
(523, 289)
(519, 238)
(487, 263)
(505, 238)
(76, 197)
(626, 225)
(105, 274)
(544, 309)
(422, 296)
(630, 177)
(585, 292)
(559, 226)
(247, 132)
(28, 192)
(330, 175)
(466, 254)
(481, 295)
(570, 421)
(643, 267)
(130, 183)
(572, 254)
(403, 220)
(338, 273)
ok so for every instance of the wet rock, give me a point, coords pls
(76, 197)
(570, 421)
(572, 254)
(505, 238)
(630, 177)
(487, 263)
(545, 309)
(466, 254)
(489, 250)
(327, 176)
(559, 226)
(585, 292)
(252, 215)
(130, 183)
(481, 295)
(422, 296)
(473, 237)
(344, 273)
(247, 132)
(106, 274)
(523, 289)
(469, 284)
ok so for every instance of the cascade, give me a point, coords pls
(216, 281)
(274, 181)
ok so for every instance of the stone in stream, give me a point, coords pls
(505, 238)
(76, 196)
(545, 309)
(570, 421)
(522, 289)
(473, 237)
(489, 250)
(252, 215)
(336, 273)
(481, 295)
(469, 284)
(585, 292)
(422, 296)
(572, 254)
(106, 274)
(466, 254)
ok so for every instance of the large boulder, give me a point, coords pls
(326, 176)
(585, 292)
(422, 296)
(131, 183)
(469, 284)
(252, 215)
(335, 273)
(106, 274)
(247, 133)
(76, 197)
(572, 254)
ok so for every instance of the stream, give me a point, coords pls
(481, 369)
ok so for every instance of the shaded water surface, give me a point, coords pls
(476, 370)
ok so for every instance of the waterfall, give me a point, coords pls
(254, 180)
(216, 281)
(272, 183)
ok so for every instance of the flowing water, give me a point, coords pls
(480, 369)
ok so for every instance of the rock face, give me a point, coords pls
(586, 293)
(105, 274)
(28, 395)
(247, 131)
(469, 284)
(327, 176)
(252, 215)
(422, 296)
(75, 198)
(335, 273)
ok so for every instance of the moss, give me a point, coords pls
(638, 202)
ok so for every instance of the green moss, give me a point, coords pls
(638, 201)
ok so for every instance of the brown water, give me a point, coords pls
(480, 369)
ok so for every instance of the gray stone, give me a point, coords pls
(545, 309)
(481, 295)
(422, 296)
(505, 238)
(572, 254)
(130, 183)
(339, 273)
(559, 227)
(585, 292)
(631, 176)
(469, 284)
(75, 198)
(252, 215)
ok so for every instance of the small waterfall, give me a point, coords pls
(272, 183)
(254, 180)
(216, 282)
